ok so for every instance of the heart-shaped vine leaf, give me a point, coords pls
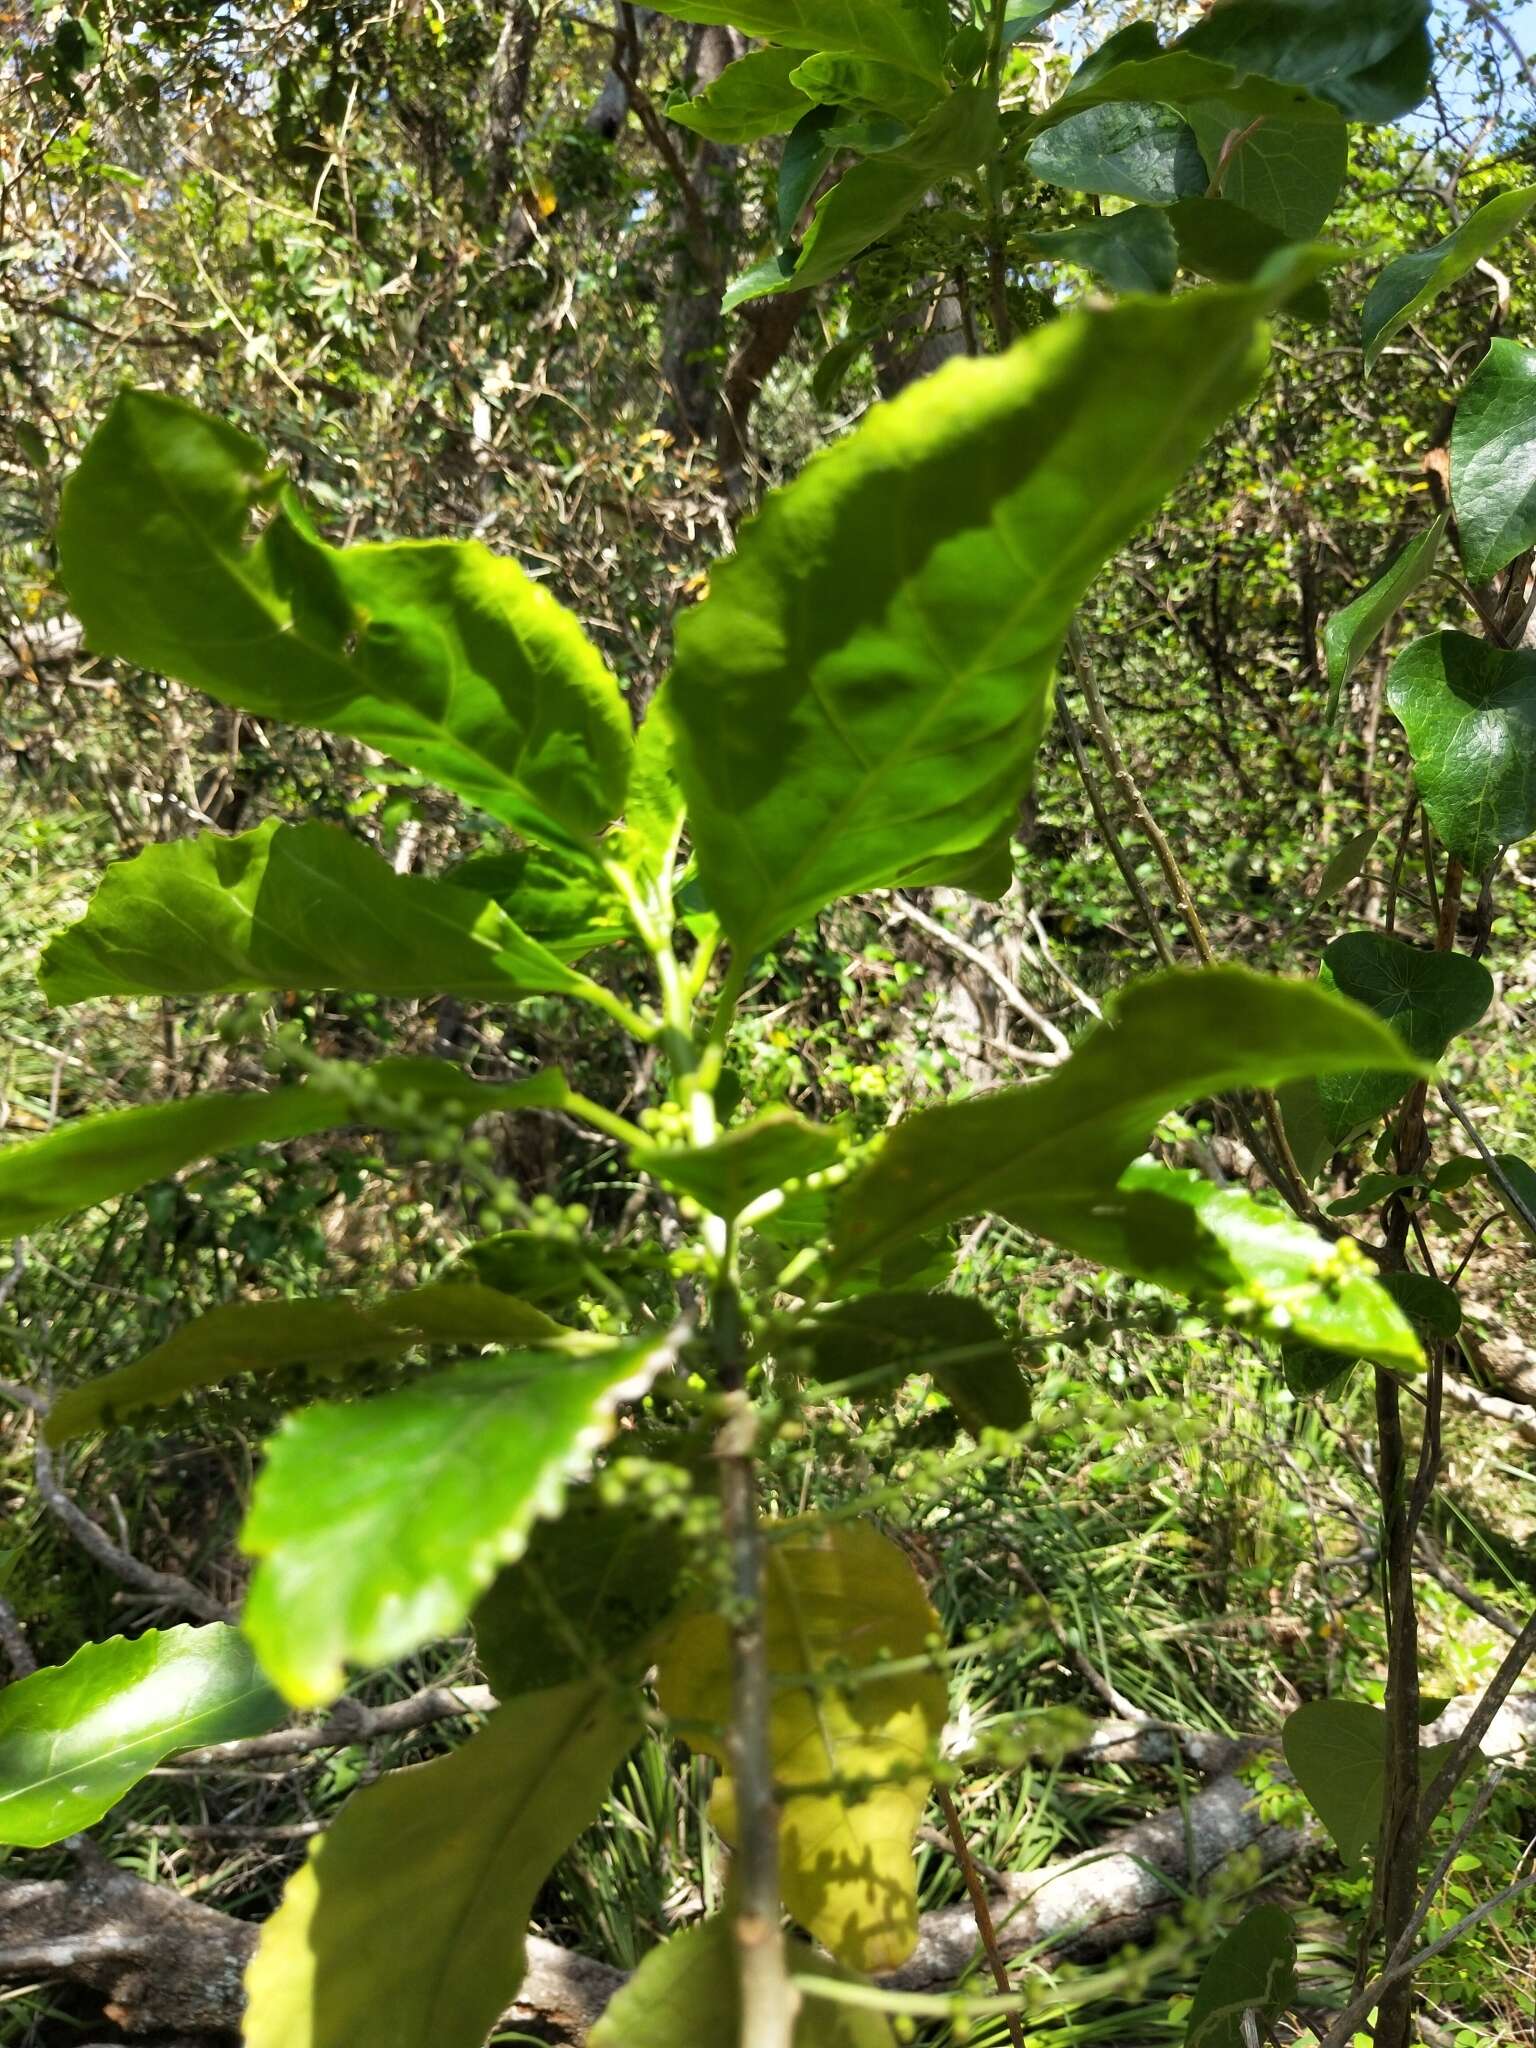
(1493, 460)
(852, 1750)
(1337, 1750)
(1285, 174)
(75, 1737)
(292, 906)
(322, 1337)
(1350, 634)
(585, 1597)
(1428, 999)
(1410, 283)
(437, 652)
(861, 694)
(1253, 1970)
(376, 1524)
(1147, 153)
(1470, 715)
(97, 1157)
(687, 1990)
(405, 1928)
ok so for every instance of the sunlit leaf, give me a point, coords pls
(1493, 460)
(751, 98)
(75, 1737)
(1412, 282)
(1337, 1750)
(911, 34)
(1253, 1970)
(744, 1163)
(1350, 634)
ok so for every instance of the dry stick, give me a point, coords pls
(1111, 837)
(95, 1541)
(1056, 1039)
(13, 1640)
(983, 1912)
(349, 1721)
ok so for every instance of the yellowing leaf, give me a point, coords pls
(545, 197)
(851, 1748)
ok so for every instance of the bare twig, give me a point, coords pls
(95, 1541)
(979, 1906)
(964, 950)
(349, 1721)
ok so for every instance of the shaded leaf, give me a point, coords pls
(851, 1750)
(538, 1268)
(1308, 1369)
(1410, 283)
(75, 1737)
(1252, 1970)
(553, 896)
(891, 1335)
(1219, 239)
(864, 87)
(1493, 460)
(273, 1336)
(1369, 58)
(687, 1990)
(1146, 153)
(1133, 251)
(291, 906)
(1428, 999)
(376, 1524)
(1433, 1308)
(911, 34)
(1470, 715)
(751, 98)
(438, 652)
(743, 1164)
(1337, 1751)
(96, 1157)
(862, 691)
(405, 1927)
(875, 196)
(1287, 174)
(1345, 866)
(584, 1598)
(1350, 634)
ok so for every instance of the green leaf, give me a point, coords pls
(1345, 866)
(808, 149)
(875, 196)
(1126, 151)
(438, 652)
(537, 1268)
(405, 1928)
(1428, 998)
(585, 1598)
(552, 895)
(890, 1335)
(687, 1991)
(325, 1337)
(376, 1524)
(1337, 1751)
(862, 691)
(1369, 58)
(1351, 633)
(1493, 460)
(1134, 251)
(97, 1157)
(1252, 1970)
(851, 1748)
(1433, 1308)
(1411, 282)
(291, 906)
(837, 79)
(1049, 1154)
(1224, 241)
(751, 98)
(1287, 174)
(654, 819)
(1254, 1264)
(1470, 715)
(911, 34)
(750, 1161)
(1308, 1369)
(75, 1737)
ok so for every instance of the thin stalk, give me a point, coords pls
(993, 189)
(1111, 837)
(979, 1906)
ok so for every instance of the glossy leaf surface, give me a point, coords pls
(291, 906)
(686, 1990)
(1147, 153)
(584, 1598)
(839, 1600)
(1047, 1154)
(862, 691)
(324, 1337)
(744, 1163)
(437, 652)
(1337, 1750)
(1253, 1970)
(1428, 999)
(751, 98)
(1412, 282)
(376, 1524)
(1133, 251)
(1493, 460)
(1350, 634)
(1470, 715)
(75, 1737)
(405, 1928)
(96, 1157)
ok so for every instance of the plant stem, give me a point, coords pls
(978, 1895)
